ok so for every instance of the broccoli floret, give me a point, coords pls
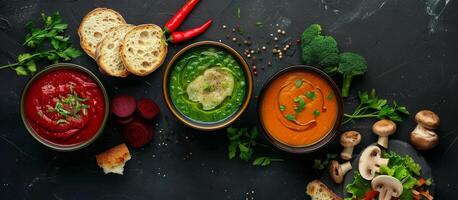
(317, 50)
(310, 33)
(350, 65)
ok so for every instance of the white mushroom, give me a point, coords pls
(387, 186)
(337, 171)
(423, 137)
(384, 128)
(370, 162)
(349, 140)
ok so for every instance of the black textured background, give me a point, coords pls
(412, 58)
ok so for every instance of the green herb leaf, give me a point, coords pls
(232, 149)
(291, 117)
(254, 133)
(330, 96)
(316, 112)
(259, 24)
(20, 71)
(262, 161)
(31, 66)
(238, 12)
(282, 107)
(301, 104)
(298, 83)
(311, 95)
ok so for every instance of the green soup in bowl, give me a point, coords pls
(207, 85)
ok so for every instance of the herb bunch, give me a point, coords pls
(243, 141)
(372, 106)
(52, 31)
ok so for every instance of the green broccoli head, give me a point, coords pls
(321, 52)
(350, 65)
(310, 33)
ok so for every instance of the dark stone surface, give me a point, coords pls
(412, 59)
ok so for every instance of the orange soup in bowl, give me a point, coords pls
(299, 107)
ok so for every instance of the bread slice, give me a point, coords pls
(143, 49)
(108, 57)
(95, 26)
(317, 190)
(114, 159)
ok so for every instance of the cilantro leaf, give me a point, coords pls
(301, 104)
(298, 83)
(282, 107)
(311, 95)
(290, 117)
(316, 112)
(262, 161)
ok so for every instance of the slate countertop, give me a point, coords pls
(410, 46)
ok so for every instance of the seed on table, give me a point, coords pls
(254, 67)
(224, 26)
(248, 56)
(275, 38)
(252, 51)
(264, 48)
(279, 31)
(274, 50)
(287, 46)
(233, 30)
(271, 35)
(283, 32)
(269, 63)
(234, 39)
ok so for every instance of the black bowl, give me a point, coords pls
(324, 140)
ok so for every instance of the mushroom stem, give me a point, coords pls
(379, 162)
(347, 153)
(346, 167)
(383, 141)
(385, 194)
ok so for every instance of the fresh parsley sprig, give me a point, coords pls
(372, 106)
(243, 141)
(52, 31)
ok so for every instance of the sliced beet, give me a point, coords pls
(125, 120)
(147, 108)
(123, 105)
(138, 133)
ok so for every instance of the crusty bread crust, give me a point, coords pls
(143, 56)
(108, 57)
(85, 43)
(113, 158)
(319, 191)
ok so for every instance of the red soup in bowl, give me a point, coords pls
(64, 107)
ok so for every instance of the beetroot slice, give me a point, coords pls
(147, 108)
(137, 133)
(125, 120)
(123, 105)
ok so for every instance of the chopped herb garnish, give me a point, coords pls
(301, 104)
(259, 24)
(330, 96)
(316, 112)
(70, 105)
(264, 161)
(238, 12)
(282, 107)
(291, 117)
(311, 95)
(298, 83)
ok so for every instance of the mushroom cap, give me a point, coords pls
(423, 139)
(335, 171)
(384, 127)
(367, 161)
(387, 182)
(350, 138)
(427, 119)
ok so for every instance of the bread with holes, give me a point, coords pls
(108, 57)
(317, 190)
(114, 159)
(143, 49)
(95, 25)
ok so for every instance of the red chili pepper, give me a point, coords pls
(181, 36)
(370, 195)
(179, 17)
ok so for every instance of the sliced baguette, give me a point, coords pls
(95, 26)
(317, 190)
(143, 49)
(108, 57)
(114, 159)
